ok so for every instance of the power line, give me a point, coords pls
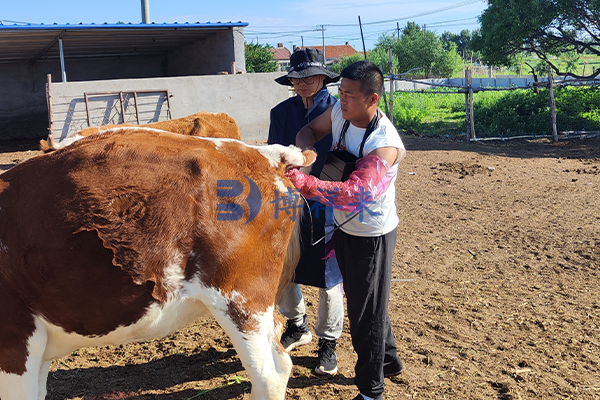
(368, 33)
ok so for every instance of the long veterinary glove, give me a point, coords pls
(364, 185)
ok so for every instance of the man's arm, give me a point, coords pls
(390, 154)
(315, 130)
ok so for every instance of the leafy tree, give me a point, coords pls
(417, 49)
(424, 49)
(463, 41)
(545, 28)
(259, 58)
(345, 61)
(380, 54)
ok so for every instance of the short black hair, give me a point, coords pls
(368, 74)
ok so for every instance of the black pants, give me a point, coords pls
(366, 266)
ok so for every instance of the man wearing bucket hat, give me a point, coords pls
(308, 76)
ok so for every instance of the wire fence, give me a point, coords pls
(469, 90)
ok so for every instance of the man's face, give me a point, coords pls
(353, 102)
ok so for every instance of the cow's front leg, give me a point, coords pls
(255, 339)
(28, 385)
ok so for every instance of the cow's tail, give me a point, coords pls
(292, 257)
(292, 157)
(47, 146)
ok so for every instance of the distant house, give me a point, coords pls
(335, 53)
(282, 56)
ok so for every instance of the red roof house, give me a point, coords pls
(334, 53)
(282, 56)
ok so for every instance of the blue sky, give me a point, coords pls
(272, 22)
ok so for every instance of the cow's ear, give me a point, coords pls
(309, 157)
(292, 157)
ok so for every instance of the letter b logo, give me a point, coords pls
(234, 188)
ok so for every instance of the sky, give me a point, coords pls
(292, 23)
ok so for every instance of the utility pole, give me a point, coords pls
(362, 37)
(145, 12)
(323, 35)
(398, 29)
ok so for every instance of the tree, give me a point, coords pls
(380, 54)
(422, 49)
(259, 58)
(345, 61)
(545, 28)
(463, 41)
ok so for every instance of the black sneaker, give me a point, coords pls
(393, 369)
(327, 360)
(295, 335)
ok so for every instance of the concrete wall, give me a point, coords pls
(498, 82)
(247, 98)
(23, 108)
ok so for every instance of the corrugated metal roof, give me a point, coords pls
(40, 42)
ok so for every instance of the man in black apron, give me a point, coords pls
(309, 78)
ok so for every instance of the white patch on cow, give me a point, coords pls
(277, 154)
(183, 307)
(32, 384)
(280, 184)
(219, 141)
(68, 140)
(3, 247)
(133, 128)
(179, 310)
(173, 275)
(72, 139)
(263, 357)
(268, 365)
(272, 365)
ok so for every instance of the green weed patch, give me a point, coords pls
(498, 113)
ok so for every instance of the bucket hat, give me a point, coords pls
(307, 62)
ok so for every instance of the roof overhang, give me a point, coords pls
(32, 43)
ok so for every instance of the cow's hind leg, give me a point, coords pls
(27, 386)
(259, 349)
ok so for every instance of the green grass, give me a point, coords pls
(498, 113)
(429, 113)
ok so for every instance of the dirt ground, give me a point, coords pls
(495, 291)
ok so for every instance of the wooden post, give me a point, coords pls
(390, 65)
(469, 120)
(50, 116)
(137, 109)
(552, 105)
(385, 100)
(122, 106)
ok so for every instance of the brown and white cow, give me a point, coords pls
(126, 236)
(204, 124)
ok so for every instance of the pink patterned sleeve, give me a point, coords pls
(364, 185)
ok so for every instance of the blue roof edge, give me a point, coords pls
(126, 25)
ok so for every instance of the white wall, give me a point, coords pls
(247, 98)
